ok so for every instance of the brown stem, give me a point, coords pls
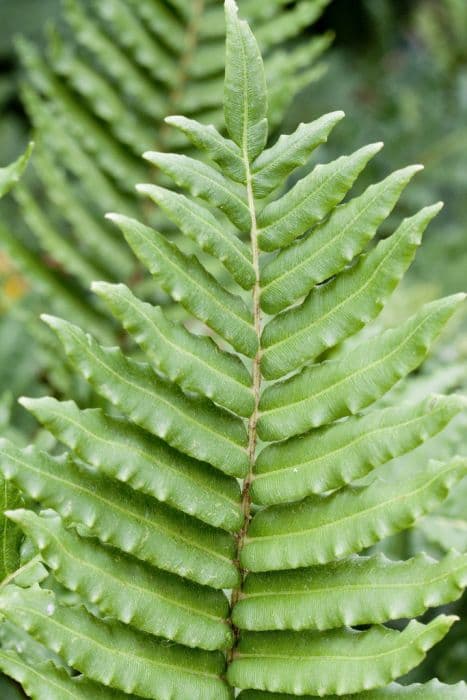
(256, 382)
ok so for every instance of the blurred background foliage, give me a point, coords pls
(399, 70)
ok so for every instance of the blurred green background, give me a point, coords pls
(399, 70)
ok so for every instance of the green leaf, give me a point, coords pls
(445, 531)
(320, 529)
(193, 362)
(95, 233)
(290, 151)
(133, 83)
(124, 452)
(194, 426)
(148, 599)
(331, 390)
(434, 690)
(222, 151)
(44, 681)
(10, 175)
(331, 245)
(189, 284)
(336, 310)
(112, 653)
(330, 457)
(349, 592)
(312, 198)
(123, 518)
(167, 501)
(133, 35)
(207, 183)
(197, 223)
(245, 96)
(305, 662)
(11, 536)
(63, 251)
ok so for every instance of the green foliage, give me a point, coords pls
(150, 529)
(97, 97)
(399, 58)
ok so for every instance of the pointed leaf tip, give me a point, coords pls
(143, 188)
(100, 286)
(231, 6)
(52, 321)
(245, 91)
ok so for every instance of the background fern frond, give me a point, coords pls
(97, 97)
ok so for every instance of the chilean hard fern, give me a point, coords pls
(188, 587)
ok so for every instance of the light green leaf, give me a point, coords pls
(312, 198)
(193, 362)
(306, 662)
(332, 245)
(342, 387)
(125, 452)
(330, 457)
(434, 690)
(290, 151)
(194, 426)
(145, 598)
(112, 653)
(320, 529)
(222, 151)
(349, 592)
(336, 310)
(44, 681)
(187, 281)
(245, 94)
(124, 518)
(207, 183)
(211, 235)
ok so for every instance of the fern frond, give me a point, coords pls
(151, 526)
(312, 199)
(98, 96)
(189, 283)
(191, 361)
(296, 270)
(189, 424)
(338, 309)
